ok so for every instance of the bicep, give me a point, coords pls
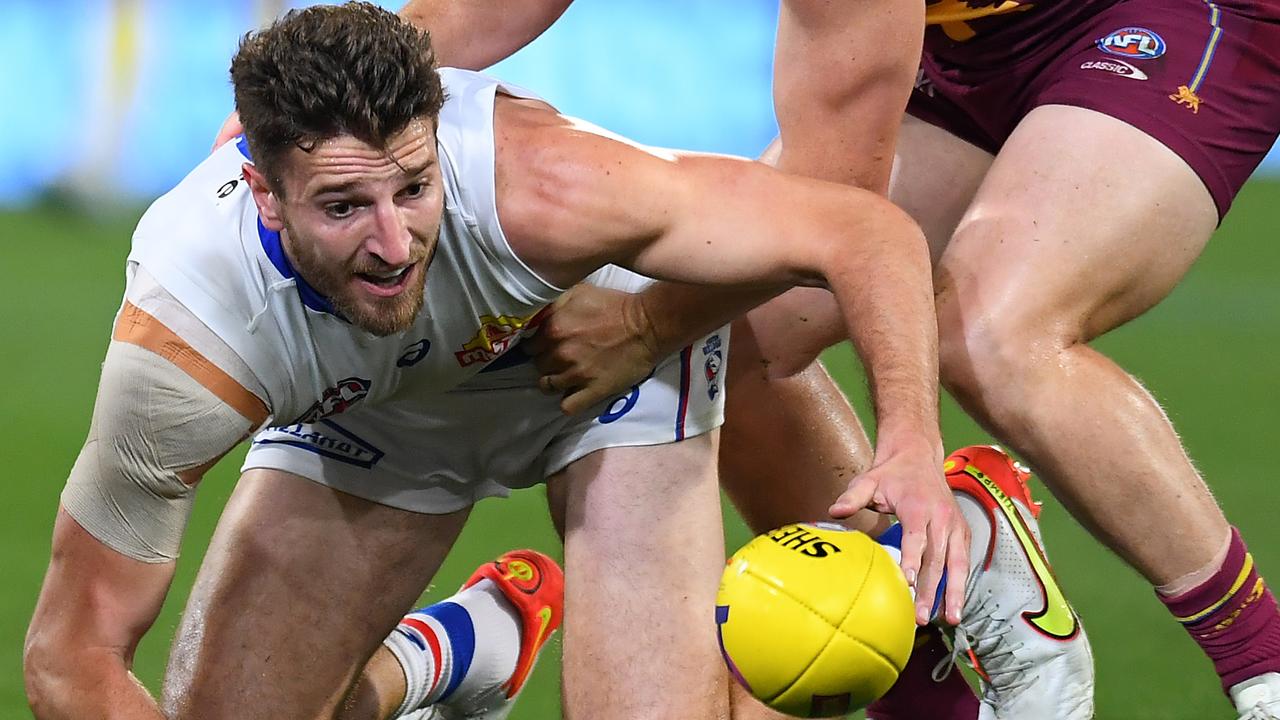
(843, 72)
(572, 199)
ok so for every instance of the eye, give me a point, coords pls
(339, 210)
(413, 190)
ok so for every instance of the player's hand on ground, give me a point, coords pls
(908, 481)
(231, 127)
(591, 345)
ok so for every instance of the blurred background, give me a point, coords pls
(107, 103)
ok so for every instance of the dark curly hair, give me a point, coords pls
(324, 71)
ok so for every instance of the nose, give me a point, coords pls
(391, 240)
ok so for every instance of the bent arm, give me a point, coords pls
(155, 431)
(474, 34)
(94, 607)
(572, 199)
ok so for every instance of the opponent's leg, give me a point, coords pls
(298, 588)
(1049, 256)
(644, 550)
(790, 445)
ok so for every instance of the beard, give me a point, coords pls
(379, 316)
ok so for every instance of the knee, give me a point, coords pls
(992, 352)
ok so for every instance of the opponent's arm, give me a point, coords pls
(842, 74)
(468, 34)
(474, 34)
(155, 432)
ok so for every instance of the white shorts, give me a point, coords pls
(493, 434)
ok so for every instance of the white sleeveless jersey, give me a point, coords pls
(436, 417)
(204, 244)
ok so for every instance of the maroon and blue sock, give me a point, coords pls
(1233, 617)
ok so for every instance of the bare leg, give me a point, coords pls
(643, 554)
(300, 585)
(790, 444)
(378, 691)
(1025, 284)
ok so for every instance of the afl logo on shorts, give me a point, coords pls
(1134, 43)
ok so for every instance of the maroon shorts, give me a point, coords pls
(1201, 77)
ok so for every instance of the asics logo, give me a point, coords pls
(1056, 618)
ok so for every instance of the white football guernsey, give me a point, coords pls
(437, 416)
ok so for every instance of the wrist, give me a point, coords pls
(638, 324)
(910, 438)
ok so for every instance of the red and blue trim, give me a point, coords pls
(682, 409)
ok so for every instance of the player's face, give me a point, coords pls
(361, 223)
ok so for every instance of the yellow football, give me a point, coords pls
(815, 620)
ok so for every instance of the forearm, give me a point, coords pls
(94, 683)
(839, 105)
(887, 302)
(474, 34)
(677, 314)
(93, 609)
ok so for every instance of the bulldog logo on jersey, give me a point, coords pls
(1134, 43)
(713, 360)
(336, 399)
(496, 336)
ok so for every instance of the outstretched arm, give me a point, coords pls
(571, 199)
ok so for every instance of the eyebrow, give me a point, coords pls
(349, 185)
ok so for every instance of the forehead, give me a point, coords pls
(344, 161)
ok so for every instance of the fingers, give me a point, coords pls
(860, 494)
(231, 127)
(552, 384)
(957, 570)
(582, 399)
(932, 562)
(914, 533)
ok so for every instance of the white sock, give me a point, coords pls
(457, 649)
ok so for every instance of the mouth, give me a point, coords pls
(390, 283)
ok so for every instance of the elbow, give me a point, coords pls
(40, 675)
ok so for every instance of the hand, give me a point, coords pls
(908, 481)
(231, 127)
(592, 344)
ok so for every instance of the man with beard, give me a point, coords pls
(357, 289)
(1020, 114)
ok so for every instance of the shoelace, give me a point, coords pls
(984, 631)
(1260, 711)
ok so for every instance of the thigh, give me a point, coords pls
(644, 548)
(935, 176)
(1198, 76)
(1055, 242)
(298, 587)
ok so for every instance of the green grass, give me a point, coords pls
(1208, 353)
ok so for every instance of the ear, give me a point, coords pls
(264, 197)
